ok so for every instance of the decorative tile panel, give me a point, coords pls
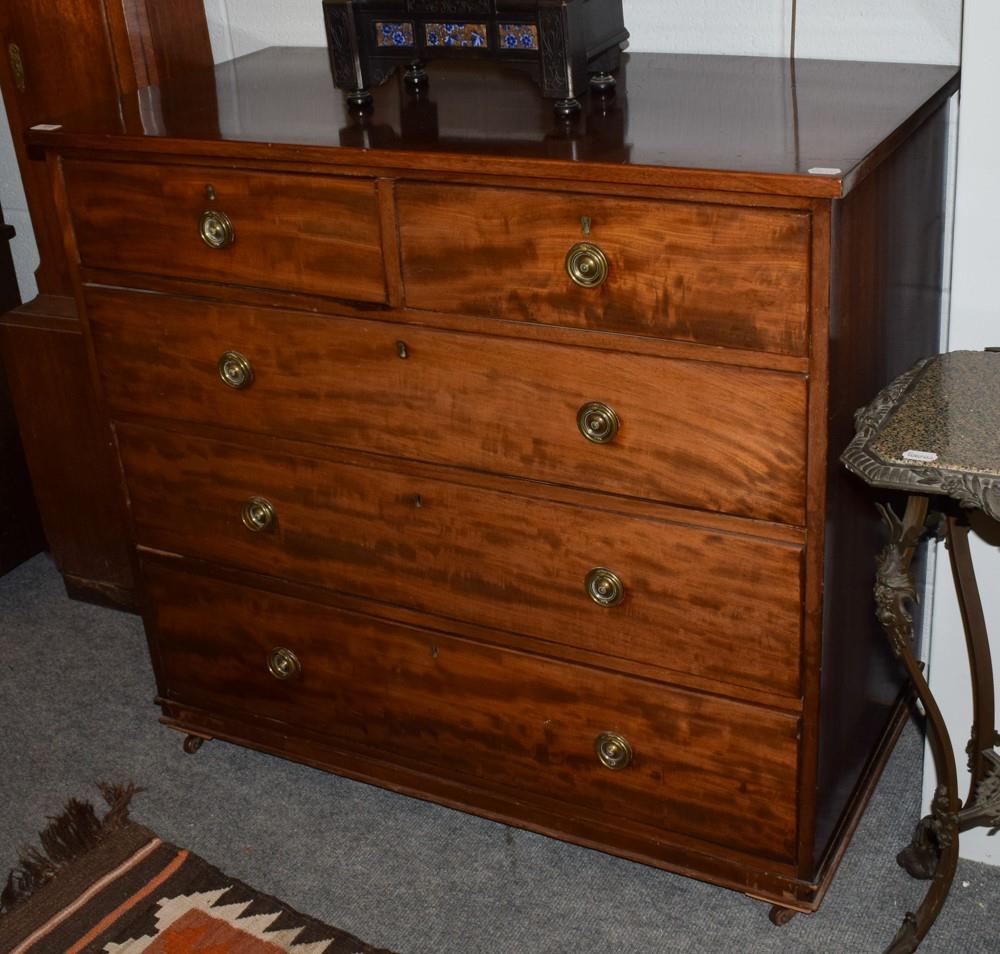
(393, 34)
(456, 34)
(518, 36)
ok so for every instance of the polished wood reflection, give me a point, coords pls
(678, 114)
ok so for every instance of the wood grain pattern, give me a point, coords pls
(557, 818)
(716, 769)
(67, 442)
(885, 315)
(167, 40)
(712, 274)
(494, 558)
(76, 53)
(303, 233)
(488, 403)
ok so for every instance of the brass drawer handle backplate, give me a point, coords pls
(235, 371)
(613, 751)
(258, 514)
(604, 587)
(587, 265)
(598, 422)
(17, 67)
(216, 229)
(283, 664)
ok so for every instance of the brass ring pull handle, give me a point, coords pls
(235, 371)
(587, 265)
(258, 514)
(598, 422)
(283, 664)
(216, 229)
(613, 751)
(604, 587)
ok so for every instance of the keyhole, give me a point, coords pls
(210, 193)
(402, 350)
(418, 501)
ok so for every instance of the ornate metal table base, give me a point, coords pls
(933, 852)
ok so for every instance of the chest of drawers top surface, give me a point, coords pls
(751, 124)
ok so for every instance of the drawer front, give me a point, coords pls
(314, 234)
(709, 436)
(713, 274)
(718, 605)
(709, 767)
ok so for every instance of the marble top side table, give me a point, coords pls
(935, 434)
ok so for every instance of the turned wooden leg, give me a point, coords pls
(192, 743)
(781, 916)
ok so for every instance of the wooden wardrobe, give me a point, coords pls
(62, 59)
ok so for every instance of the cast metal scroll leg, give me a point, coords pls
(937, 835)
(982, 807)
(984, 734)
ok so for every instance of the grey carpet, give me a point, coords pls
(75, 705)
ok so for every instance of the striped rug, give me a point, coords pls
(109, 885)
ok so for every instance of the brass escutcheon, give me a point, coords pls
(604, 587)
(235, 371)
(258, 514)
(614, 751)
(598, 422)
(587, 265)
(17, 67)
(283, 663)
(216, 229)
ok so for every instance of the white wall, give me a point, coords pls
(975, 324)
(917, 31)
(15, 212)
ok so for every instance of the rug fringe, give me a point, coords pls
(66, 837)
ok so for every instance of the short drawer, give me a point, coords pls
(314, 234)
(692, 433)
(708, 767)
(712, 274)
(719, 605)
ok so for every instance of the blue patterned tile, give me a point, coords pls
(456, 34)
(518, 36)
(393, 34)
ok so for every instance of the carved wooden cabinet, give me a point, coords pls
(62, 59)
(493, 460)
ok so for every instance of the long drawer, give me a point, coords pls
(694, 271)
(718, 605)
(301, 233)
(693, 433)
(708, 767)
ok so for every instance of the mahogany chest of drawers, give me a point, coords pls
(492, 460)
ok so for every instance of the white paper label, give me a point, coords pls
(824, 171)
(925, 457)
(47, 127)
